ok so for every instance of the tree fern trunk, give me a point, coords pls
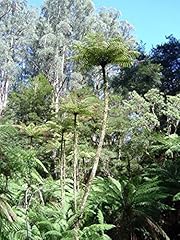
(75, 160)
(61, 168)
(54, 163)
(64, 168)
(129, 166)
(100, 145)
(119, 147)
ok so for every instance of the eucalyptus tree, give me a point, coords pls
(16, 35)
(60, 23)
(109, 22)
(95, 50)
(69, 16)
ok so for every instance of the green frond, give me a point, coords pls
(100, 216)
(53, 233)
(176, 197)
(94, 50)
(6, 210)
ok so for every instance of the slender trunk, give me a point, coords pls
(56, 90)
(61, 155)
(27, 211)
(64, 165)
(54, 164)
(6, 77)
(169, 126)
(58, 83)
(78, 176)
(6, 184)
(100, 145)
(129, 166)
(75, 160)
(28, 192)
(61, 168)
(176, 126)
(3, 93)
(119, 147)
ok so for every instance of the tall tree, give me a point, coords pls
(31, 103)
(16, 36)
(168, 55)
(61, 23)
(96, 51)
(109, 22)
(141, 77)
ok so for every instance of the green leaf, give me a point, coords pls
(53, 233)
(100, 217)
(176, 197)
(41, 165)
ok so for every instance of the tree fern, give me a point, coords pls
(128, 203)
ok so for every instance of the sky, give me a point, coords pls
(152, 19)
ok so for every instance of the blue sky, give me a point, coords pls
(152, 19)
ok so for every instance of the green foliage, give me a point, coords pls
(47, 153)
(131, 205)
(141, 77)
(14, 158)
(32, 102)
(177, 197)
(81, 102)
(95, 50)
(170, 145)
(167, 54)
(116, 205)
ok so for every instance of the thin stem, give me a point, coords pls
(99, 148)
(75, 160)
(61, 168)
